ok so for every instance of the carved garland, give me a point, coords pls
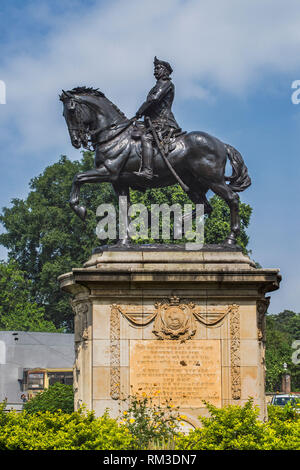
(115, 370)
(174, 319)
(235, 352)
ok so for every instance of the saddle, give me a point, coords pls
(166, 136)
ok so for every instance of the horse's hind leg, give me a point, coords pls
(232, 200)
(199, 197)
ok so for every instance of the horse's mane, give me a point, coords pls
(83, 90)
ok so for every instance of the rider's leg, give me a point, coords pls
(147, 157)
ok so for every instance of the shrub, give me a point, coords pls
(56, 397)
(238, 428)
(151, 425)
(283, 428)
(62, 431)
(228, 428)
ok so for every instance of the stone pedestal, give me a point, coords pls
(175, 324)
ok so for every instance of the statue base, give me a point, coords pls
(181, 325)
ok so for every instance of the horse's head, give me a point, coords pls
(87, 110)
(78, 118)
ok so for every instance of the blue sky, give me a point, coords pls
(234, 63)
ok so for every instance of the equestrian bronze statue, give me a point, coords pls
(153, 153)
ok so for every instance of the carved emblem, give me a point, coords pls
(174, 320)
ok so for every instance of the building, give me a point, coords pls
(31, 361)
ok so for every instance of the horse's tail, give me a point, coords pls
(239, 180)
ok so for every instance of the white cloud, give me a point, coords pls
(210, 43)
(229, 46)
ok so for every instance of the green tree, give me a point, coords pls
(46, 238)
(282, 330)
(18, 311)
(288, 322)
(57, 397)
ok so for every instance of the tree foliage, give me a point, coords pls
(217, 225)
(57, 397)
(46, 239)
(18, 310)
(282, 330)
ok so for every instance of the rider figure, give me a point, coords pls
(157, 107)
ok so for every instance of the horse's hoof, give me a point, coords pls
(123, 243)
(230, 241)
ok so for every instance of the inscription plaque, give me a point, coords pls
(185, 372)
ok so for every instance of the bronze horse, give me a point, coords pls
(199, 159)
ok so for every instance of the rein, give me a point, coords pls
(100, 129)
(123, 129)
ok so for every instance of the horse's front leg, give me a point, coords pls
(74, 198)
(92, 176)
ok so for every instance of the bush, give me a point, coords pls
(56, 397)
(62, 431)
(238, 428)
(148, 426)
(151, 425)
(229, 428)
(283, 428)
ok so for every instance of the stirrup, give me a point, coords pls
(148, 174)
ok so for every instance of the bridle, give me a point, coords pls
(90, 133)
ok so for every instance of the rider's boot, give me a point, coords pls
(147, 162)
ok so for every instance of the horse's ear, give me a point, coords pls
(65, 94)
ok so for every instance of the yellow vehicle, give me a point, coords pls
(37, 380)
